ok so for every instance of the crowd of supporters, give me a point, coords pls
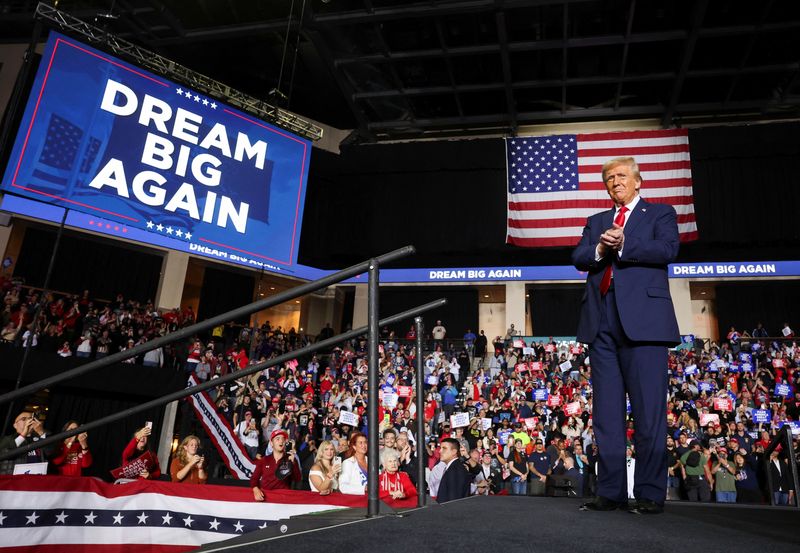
(520, 412)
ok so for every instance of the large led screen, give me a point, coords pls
(125, 146)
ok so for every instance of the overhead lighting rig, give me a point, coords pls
(176, 72)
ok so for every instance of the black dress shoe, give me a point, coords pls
(601, 504)
(646, 507)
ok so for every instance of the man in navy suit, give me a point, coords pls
(456, 479)
(628, 320)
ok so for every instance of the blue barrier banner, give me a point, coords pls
(734, 269)
(761, 415)
(135, 151)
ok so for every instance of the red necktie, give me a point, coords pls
(605, 282)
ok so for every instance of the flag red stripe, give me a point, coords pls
(628, 135)
(541, 242)
(633, 150)
(657, 166)
(647, 184)
(599, 204)
(573, 222)
(98, 548)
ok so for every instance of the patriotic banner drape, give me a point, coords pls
(225, 439)
(555, 182)
(65, 515)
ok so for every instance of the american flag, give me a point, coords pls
(555, 182)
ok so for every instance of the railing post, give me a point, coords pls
(422, 457)
(373, 505)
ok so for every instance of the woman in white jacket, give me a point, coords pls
(353, 479)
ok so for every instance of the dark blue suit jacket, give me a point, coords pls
(640, 274)
(455, 482)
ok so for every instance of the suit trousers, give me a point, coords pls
(621, 366)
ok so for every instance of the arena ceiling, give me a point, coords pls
(398, 69)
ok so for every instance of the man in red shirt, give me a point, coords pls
(276, 471)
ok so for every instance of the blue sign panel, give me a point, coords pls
(138, 152)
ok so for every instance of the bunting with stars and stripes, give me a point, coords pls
(65, 515)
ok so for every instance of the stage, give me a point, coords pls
(547, 525)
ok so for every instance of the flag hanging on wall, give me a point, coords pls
(555, 182)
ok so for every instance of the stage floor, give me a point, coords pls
(547, 525)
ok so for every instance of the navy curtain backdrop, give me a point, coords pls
(448, 198)
(104, 267)
(745, 304)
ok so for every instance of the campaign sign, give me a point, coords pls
(782, 390)
(518, 343)
(521, 367)
(540, 394)
(713, 367)
(528, 351)
(549, 348)
(690, 369)
(734, 368)
(139, 152)
(390, 379)
(502, 436)
(530, 422)
(536, 365)
(390, 401)
(576, 350)
(573, 408)
(404, 391)
(459, 420)
(723, 404)
(349, 418)
(704, 386)
(433, 380)
(777, 363)
(486, 424)
(747, 367)
(687, 339)
(565, 366)
(794, 425)
(761, 415)
(708, 418)
(745, 357)
(553, 401)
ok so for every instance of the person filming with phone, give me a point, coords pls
(189, 465)
(278, 470)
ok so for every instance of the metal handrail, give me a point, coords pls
(219, 381)
(784, 435)
(188, 331)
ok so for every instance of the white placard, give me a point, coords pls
(565, 366)
(349, 418)
(30, 468)
(786, 331)
(528, 351)
(390, 400)
(433, 380)
(459, 420)
(486, 424)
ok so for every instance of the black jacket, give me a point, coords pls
(455, 483)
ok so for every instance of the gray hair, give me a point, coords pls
(389, 454)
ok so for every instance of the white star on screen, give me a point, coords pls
(150, 224)
(188, 94)
(169, 230)
(179, 233)
(179, 90)
(213, 105)
(188, 236)
(205, 102)
(196, 98)
(160, 227)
